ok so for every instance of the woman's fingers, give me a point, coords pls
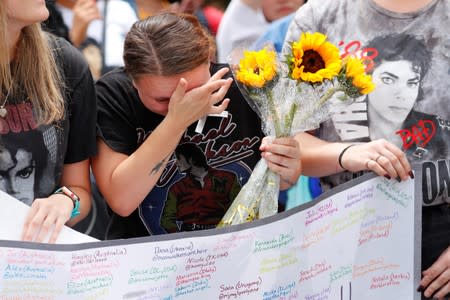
(180, 90)
(57, 229)
(220, 93)
(381, 157)
(189, 106)
(33, 222)
(203, 100)
(392, 162)
(219, 74)
(217, 109)
(46, 227)
(282, 156)
(46, 216)
(401, 163)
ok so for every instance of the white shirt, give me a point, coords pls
(240, 26)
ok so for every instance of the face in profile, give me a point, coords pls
(397, 88)
(182, 163)
(17, 174)
(276, 9)
(26, 12)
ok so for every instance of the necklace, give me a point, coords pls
(3, 110)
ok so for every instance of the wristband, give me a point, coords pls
(342, 154)
(75, 199)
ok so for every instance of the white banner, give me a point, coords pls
(361, 241)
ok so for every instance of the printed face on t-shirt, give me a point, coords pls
(182, 163)
(155, 91)
(17, 174)
(397, 87)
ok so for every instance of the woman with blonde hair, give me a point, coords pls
(46, 87)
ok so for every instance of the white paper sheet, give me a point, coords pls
(12, 216)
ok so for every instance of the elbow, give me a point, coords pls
(124, 213)
(120, 208)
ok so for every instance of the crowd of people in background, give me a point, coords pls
(100, 100)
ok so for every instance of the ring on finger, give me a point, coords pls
(378, 157)
(367, 163)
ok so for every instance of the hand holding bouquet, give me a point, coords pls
(291, 96)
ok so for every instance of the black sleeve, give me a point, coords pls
(118, 108)
(81, 103)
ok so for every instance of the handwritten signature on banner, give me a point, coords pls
(353, 244)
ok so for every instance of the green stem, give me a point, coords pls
(274, 114)
(325, 97)
(328, 94)
(290, 118)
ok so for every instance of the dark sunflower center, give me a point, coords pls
(256, 70)
(312, 61)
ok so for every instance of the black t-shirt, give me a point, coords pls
(230, 144)
(31, 156)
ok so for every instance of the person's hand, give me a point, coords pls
(283, 157)
(84, 12)
(379, 156)
(188, 107)
(436, 279)
(186, 6)
(47, 215)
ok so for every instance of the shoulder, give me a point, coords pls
(115, 89)
(309, 15)
(115, 78)
(65, 52)
(72, 64)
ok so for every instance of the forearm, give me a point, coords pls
(84, 193)
(129, 182)
(78, 34)
(76, 178)
(319, 158)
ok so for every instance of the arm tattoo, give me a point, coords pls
(158, 166)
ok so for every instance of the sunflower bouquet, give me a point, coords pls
(291, 95)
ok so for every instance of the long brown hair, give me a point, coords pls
(32, 71)
(166, 44)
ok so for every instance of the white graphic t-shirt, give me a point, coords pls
(408, 55)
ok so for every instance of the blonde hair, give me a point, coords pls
(32, 71)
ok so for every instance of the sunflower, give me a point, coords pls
(314, 59)
(257, 68)
(355, 71)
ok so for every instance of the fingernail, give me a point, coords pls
(420, 288)
(398, 179)
(387, 176)
(411, 174)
